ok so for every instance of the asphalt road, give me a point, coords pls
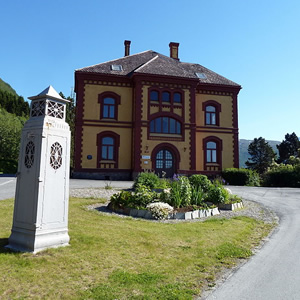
(274, 272)
(8, 185)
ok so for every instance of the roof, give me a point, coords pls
(151, 62)
(49, 92)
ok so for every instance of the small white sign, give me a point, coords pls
(145, 156)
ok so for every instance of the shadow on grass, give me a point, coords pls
(3, 243)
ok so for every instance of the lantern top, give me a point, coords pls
(49, 93)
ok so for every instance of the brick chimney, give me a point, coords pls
(127, 47)
(174, 50)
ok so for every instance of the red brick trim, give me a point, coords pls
(116, 138)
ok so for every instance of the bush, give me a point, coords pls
(8, 166)
(179, 194)
(241, 177)
(148, 179)
(121, 200)
(217, 194)
(200, 181)
(283, 176)
(142, 196)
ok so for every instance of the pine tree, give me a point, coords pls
(288, 147)
(262, 155)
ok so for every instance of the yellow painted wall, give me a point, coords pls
(89, 146)
(149, 145)
(227, 153)
(91, 110)
(226, 109)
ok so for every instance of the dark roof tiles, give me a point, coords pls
(151, 62)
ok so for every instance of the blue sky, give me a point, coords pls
(254, 43)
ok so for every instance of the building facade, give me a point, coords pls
(148, 111)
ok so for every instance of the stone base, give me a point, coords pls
(24, 240)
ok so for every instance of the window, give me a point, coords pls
(177, 98)
(154, 96)
(166, 97)
(108, 144)
(109, 102)
(116, 68)
(211, 152)
(165, 125)
(108, 108)
(210, 115)
(107, 148)
(212, 111)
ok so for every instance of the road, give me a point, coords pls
(274, 272)
(8, 185)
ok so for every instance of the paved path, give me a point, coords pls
(274, 273)
(8, 185)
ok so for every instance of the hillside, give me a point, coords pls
(243, 144)
(5, 87)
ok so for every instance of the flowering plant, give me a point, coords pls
(160, 210)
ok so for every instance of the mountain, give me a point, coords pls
(5, 87)
(243, 147)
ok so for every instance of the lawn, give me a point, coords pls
(125, 258)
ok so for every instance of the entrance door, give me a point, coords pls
(164, 162)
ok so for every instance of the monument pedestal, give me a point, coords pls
(42, 192)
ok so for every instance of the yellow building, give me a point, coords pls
(148, 111)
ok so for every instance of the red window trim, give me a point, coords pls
(219, 148)
(217, 106)
(116, 138)
(117, 99)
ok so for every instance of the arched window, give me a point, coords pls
(212, 147)
(154, 96)
(165, 125)
(108, 143)
(212, 111)
(210, 115)
(107, 148)
(211, 152)
(108, 108)
(165, 97)
(109, 102)
(177, 98)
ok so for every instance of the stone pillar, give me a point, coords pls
(40, 218)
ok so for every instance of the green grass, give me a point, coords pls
(124, 258)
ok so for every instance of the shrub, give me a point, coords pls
(197, 196)
(8, 166)
(218, 194)
(160, 210)
(179, 194)
(148, 179)
(123, 199)
(140, 198)
(200, 181)
(282, 176)
(235, 176)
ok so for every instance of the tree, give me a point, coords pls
(288, 147)
(262, 155)
(70, 119)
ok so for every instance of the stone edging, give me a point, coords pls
(190, 215)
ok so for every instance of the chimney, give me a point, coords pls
(127, 47)
(174, 50)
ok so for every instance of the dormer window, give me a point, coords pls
(201, 75)
(116, 67)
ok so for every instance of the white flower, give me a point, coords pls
(160, 210)
(228, 190)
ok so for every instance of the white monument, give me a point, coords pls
(41, 203)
